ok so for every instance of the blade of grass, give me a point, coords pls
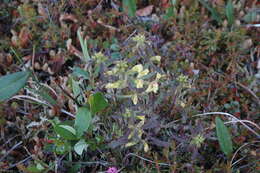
(215, 15)
(230, 12)
(84, 45)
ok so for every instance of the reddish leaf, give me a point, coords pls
(24, 37)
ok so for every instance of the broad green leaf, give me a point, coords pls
(97, 102)
(230, 12)
(82, 121)
(224, 137)
(65, 131)
(11, 84)
(80, 146)
(80, 72)
(129, 6)
(214, 14)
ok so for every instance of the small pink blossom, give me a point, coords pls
(112, 170)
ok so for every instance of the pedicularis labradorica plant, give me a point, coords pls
(136, 75)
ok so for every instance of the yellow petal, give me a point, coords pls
(158, 76)
(156, 59)
(139, 83)
(134, 99)
(152, 87)
(146, 147)
(143, 73)
(137, 68)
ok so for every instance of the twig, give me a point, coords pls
(104, 163)
(23, 97)
(10, 140)
(133, 33)
(70, 114)
(142, 158)
(9, 151)
(22, 161)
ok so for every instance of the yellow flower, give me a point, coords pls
(139, 83)
(146, 147)
(137, 68)
(158, 76)
(117, 84)
(156, 59)
(134, 99)
(143, 73)
(152, 87)
(112, 72)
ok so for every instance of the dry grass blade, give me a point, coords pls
(231, 116)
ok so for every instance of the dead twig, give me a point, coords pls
(9, 151)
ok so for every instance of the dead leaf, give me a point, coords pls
(73, 50)
(14, 38)
(145, 11)
(56, 62)
(24, 37)
(67, 17)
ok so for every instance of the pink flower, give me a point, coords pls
(112, 170)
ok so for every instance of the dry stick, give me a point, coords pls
(129, 36)
(232, 116)
(9, 140)
(9, 151)
(24, 97)
(142, 158)
(20, 162)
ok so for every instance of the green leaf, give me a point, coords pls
(224, 137)
(82, 121)
(97, 102)
(84, 46)
(129, 6)
(80, 146)
(12, 83)
(80, 72)
(76, 90)
(65, 131)
(230, 12)
(214, 14)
